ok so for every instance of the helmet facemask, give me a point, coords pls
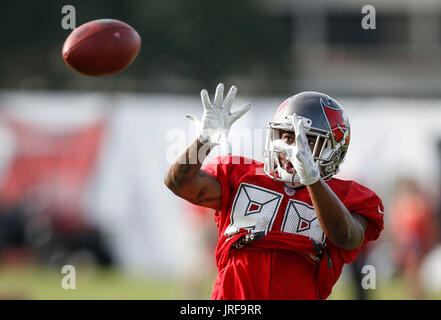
(326, 153)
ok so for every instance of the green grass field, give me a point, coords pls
(391, 289)
(40, 283)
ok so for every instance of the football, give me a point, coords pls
(101, 47)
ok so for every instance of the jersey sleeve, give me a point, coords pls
(363, 201)
(229, 170)
(220, 169)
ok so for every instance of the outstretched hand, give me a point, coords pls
(217, 118)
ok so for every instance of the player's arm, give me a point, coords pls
(185, 177)
(345, 229)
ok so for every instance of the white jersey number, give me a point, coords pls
(255, 208)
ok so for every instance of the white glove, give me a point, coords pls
(300, 154)
(217, 119)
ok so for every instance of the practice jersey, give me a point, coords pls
(252, 202)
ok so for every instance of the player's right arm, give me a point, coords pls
(185, 177)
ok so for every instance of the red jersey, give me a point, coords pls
(285, 263)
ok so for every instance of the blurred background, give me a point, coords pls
(82, 159)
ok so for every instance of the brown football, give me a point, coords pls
(101, 47)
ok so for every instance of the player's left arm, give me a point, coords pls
(345, 229)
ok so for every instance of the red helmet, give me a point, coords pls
(326, 120)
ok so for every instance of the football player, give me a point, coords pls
(286, 226)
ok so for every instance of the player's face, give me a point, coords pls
(289, 137)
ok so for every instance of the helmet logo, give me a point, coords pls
(280, 108)
(336, 119)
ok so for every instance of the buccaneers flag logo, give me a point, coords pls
(337, 120)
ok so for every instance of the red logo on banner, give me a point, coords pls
(52, 165)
